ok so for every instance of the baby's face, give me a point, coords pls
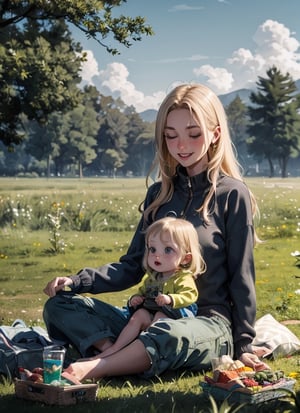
(163, 254)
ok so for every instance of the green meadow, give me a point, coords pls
(55, 227)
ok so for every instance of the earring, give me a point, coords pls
(213, 147)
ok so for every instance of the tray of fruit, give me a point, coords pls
(31, 386)
(240, 384)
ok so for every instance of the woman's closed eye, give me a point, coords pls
(195, 135)
(168, 136)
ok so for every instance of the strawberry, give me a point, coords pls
(38, 370)
(36, 378)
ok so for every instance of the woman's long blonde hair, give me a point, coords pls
(209, 112)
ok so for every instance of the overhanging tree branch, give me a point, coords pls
(93, 18)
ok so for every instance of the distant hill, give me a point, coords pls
(229, 97)
(150, 114)
(244, 95)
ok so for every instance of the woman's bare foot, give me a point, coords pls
(72, 379)
(85, 369)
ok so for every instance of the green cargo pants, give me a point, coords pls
(187, 343)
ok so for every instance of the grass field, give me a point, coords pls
(97, 218)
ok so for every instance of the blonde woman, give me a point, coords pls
(199, 181)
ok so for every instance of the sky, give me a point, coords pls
(225, 44)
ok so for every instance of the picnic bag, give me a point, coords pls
(22, 346)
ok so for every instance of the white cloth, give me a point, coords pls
(277, 337)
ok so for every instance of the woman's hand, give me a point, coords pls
(261, 351)
(253, 361)
(57, 284)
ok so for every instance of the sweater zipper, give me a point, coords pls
(189, 201)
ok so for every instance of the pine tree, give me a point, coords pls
(275, 120)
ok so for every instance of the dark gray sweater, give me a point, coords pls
(228, 286)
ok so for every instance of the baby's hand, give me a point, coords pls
(163, 299)
(136, 300)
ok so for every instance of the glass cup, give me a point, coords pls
(53, 363)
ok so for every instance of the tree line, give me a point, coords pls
(269, 128)
(100, 136)
(49, 125)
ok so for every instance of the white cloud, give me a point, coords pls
(185, 7)
(275, 45)
(218, 77)
(193, 58)
(113, 81)
(89, 68)
(247, 68)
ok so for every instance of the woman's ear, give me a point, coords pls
(216, 135)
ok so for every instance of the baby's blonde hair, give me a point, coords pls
(184, 234)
